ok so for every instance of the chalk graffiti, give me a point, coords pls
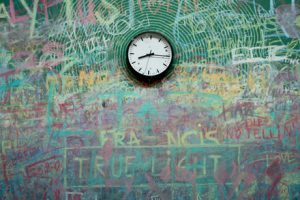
(224, 124)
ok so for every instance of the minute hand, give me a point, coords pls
(161, 55)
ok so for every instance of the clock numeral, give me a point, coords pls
(133, 62)
(159, 40)
(142, 38)
(148, 72)
(131, 53)
(140, 69)
(134, 44)
(157, 71)
(165, 64)
(150, 37)
(166, 46)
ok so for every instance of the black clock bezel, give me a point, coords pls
(144, 78)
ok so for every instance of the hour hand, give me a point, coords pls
(149, 54)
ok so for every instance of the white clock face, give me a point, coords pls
(149, 54)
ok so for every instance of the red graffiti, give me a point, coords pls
(44, 167)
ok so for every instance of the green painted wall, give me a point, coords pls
(223, 124)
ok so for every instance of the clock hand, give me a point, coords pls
(161, 55)
(149, 54)
(148, 61)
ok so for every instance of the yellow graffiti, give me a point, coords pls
(181, 139)
(118, 138)
(219, 81)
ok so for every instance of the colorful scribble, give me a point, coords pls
(224, 124)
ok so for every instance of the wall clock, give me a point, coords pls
(149, 56)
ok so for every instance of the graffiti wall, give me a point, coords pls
(224, 124)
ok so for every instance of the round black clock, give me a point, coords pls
(149, 55)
